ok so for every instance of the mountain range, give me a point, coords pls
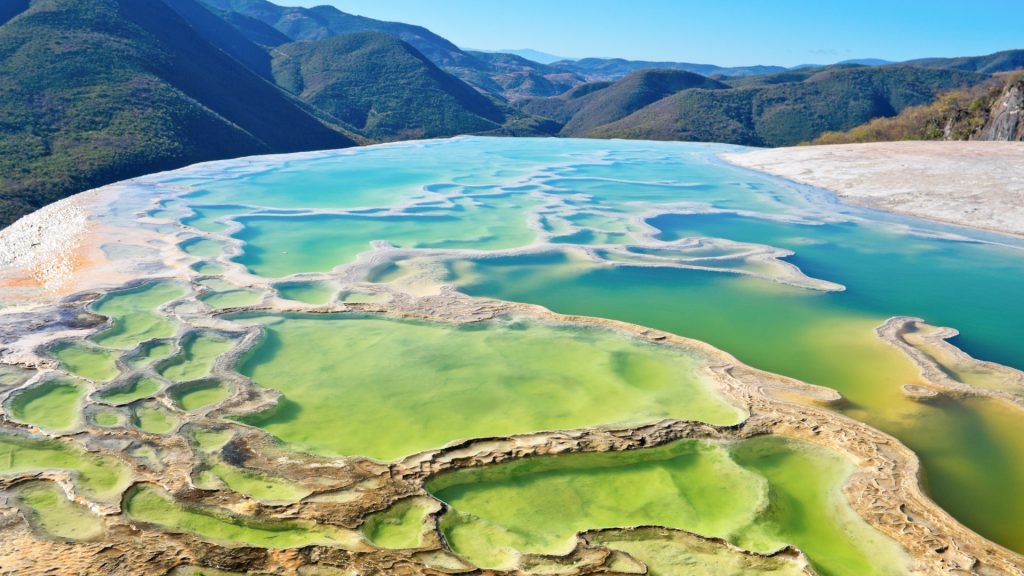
(94, 91)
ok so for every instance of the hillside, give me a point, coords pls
(325, 21)
(1005, 61)
(94, 91)
(383, 87)
(630, 94)
(516, 77)
(990, 111)
(788, 113)
(504, 75)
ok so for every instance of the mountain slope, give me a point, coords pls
(216, 31)
(1005, 61)
(787, 114)
(993, 110)
(383, 87)
(504, 75)
(323, 22)
(93, 91)
(516, 77)
(630, 94)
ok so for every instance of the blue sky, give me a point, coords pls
(724, 32)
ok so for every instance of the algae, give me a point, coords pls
(54, 404)
(440, 379)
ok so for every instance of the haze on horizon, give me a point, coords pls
(726, 33)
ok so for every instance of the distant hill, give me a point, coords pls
(516, 77)
(594, 69)
(483, 70)
(325, 21)
(530, 54)
(383, 87)
(591, 105)
(1004, 61)
(93, 91)
(780, 114)
(867, 61)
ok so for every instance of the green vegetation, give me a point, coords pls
(100, 90)
(954, 115)
(788, 113)
(383, 87)
(778, 109)
(96, 91)
(630, 94)
(1004, 61)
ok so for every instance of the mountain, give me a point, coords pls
(530, 54)
(596, 69)
(325, 21)
(256, 31)
(383, 87)
(789, 113)
(867, 61)
(588, 106)
(515, 77)
(1004, 61)
(223, 36)
(487, 72)
(993, 110)
(94, 91)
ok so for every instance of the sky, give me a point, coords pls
(723, 32)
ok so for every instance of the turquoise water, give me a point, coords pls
(562, 197)
(282, 245)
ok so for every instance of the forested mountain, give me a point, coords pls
(383, 87)
(93, 91)
(769, 114)
(993, 110)
(487, 72)
(1004, 61)
(582, 110)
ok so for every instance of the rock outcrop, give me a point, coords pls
(1006, 117)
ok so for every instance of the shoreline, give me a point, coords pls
(937, 181)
